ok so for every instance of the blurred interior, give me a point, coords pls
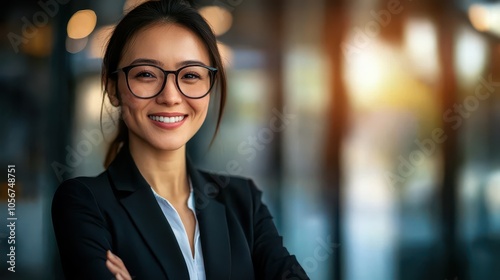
(372, 127)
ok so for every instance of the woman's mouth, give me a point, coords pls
(163, 119)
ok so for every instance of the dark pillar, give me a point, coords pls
(275, 67)
(445, 15)
(334, 30)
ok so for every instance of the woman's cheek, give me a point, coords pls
(126, 113)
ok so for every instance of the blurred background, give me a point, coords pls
(370, 125)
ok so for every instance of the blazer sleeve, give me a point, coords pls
(80, 231)
(271, 259)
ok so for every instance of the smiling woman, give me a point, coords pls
(148, 96)
(152, 214)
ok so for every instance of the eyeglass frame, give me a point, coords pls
(126, 70)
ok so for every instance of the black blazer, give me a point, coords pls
(117, 211)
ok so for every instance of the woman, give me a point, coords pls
(151, 214)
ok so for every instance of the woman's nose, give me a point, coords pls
(170, 93)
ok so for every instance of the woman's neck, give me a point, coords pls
(165, 171)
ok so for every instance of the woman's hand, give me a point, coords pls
(117, 267)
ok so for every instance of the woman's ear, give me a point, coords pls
(113, 94)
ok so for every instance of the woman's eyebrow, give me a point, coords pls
(190, 62)
(147, 61)
(159, 63)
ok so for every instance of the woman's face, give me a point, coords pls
(169, 120)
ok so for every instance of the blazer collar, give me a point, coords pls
(145, 212)
(138, 200)
(211, 215)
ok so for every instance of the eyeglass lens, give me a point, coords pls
(147, 80)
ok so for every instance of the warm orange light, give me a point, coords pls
(81, 24)
(220, 19)
(41, 44)
(479, 17)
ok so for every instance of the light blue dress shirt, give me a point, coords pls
(195, 266)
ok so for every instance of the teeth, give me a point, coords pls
(166, 119)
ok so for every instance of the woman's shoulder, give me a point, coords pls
(85, 181)
(215, 184)
(224, 180)
(83, 186)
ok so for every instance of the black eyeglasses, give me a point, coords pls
(147, 81)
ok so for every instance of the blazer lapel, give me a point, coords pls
(140, 203)
(212, 222)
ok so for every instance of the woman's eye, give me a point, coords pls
(191, 76)
(144, 75)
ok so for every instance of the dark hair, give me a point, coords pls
(142, 16)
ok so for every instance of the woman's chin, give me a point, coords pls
(169, 146)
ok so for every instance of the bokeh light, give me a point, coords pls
(81, 24)
(220, 19)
